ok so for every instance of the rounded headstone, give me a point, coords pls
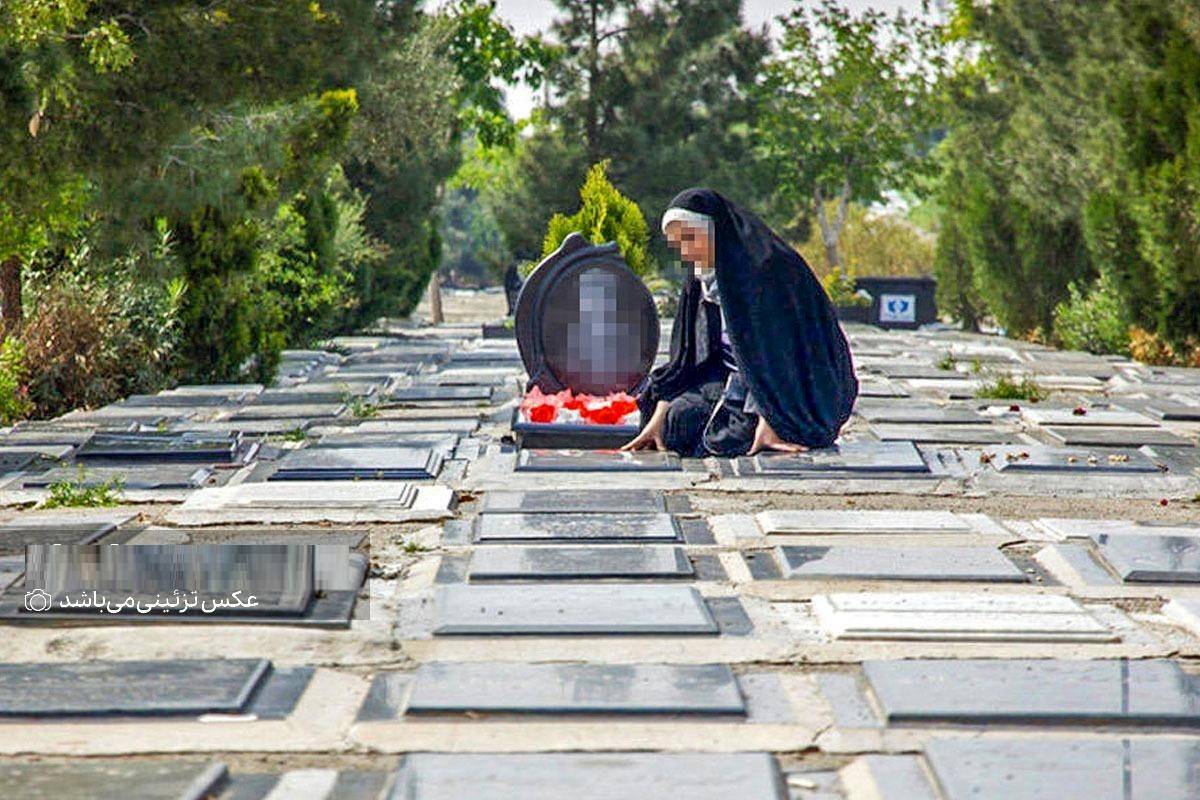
(586, 322)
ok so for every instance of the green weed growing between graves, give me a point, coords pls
(76, 494)
(1004, 387)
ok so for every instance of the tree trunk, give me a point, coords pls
(593, 122)
(831, 231)
(435, 299)
(11, 312)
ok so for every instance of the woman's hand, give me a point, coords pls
(651, 436)
(765, 438)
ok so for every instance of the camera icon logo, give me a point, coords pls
(38, 600)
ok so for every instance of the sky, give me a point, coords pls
(534, 16)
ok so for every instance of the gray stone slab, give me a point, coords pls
(1040, 459)
(1174, 412)
(1066, 769)
(596, 461)
(859, 457)
(985, 564)
(909, 414)
(1090, 417)
(898, 778)
(501, 688)
(156, 446)
(575, 528)
(596, 776)
(1155, 693)
(562, 563)
(440, 393)
(384, 463)
(1087, 436)
(60, 528)
(122, 688)
(944, 434)
(110, 779)
(1151, 558)
(160, 476)
(309, 411)
(605, 501)
(594, 609)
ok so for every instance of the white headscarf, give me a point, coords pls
(687, 217)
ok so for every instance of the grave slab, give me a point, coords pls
(162, 476)
(1035, 459)
(352, 463)
(109, 779)
(958, 616)
(984, 564)
(575, 527)
(907, 414)
(1150, 557)
(107, 688)
(855, 457)
(1087, 436)
(575, 563)
(1174, 412)
(1154, 693)
(600, 501)
(1093, 417)
(597, 776)
(1065, 769)
(596, 461)
(308, 411)
(499, 688)
(945, 434)
(155, 446)
(862, 522)
(440, 393)
(596, 609)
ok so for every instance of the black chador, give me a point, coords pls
(759, 337)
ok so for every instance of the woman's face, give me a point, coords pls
(694, 243)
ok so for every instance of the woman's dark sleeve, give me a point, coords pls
(679, 373)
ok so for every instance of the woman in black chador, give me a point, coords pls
(758, 361)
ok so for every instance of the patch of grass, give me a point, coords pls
(947, 363)
(294, 435)
(411, 547)
(1004, 387)
(361, 409)
(976, 366)
(75, 494)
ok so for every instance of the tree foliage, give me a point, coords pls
(605, 215)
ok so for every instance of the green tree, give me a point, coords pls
(848, 107)
(605, 215)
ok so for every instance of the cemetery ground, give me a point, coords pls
(974, 595)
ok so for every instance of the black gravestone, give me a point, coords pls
(585, 322)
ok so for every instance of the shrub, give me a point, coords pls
(14, 392)
(840, 286)
(98, 330)
(1150, 348)
(605, 215)
(1095, 321)
(875, 243)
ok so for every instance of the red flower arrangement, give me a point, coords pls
(610, 410)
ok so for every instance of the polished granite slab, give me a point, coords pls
(576, 563)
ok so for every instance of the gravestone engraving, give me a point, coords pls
(571, 609)
(862, 522)
(908, 414)
(575, 527)
(1037, 459)
(983, 564)
(436, 393)
(220, 686)
(575, 689)
(944, 434)
(1154, 693)
(561, 563)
